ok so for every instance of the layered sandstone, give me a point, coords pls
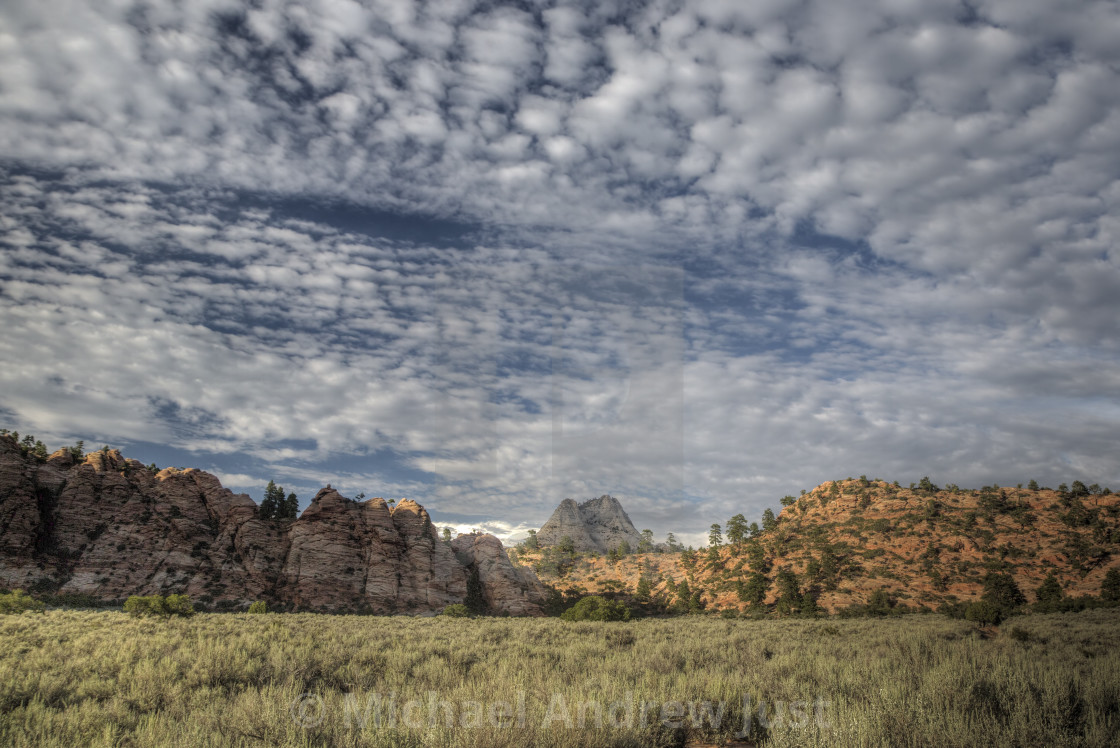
(595, 526)
(514, 589)
(109, 527)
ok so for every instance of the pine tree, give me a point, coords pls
(769, 522)
(754, 590)
(737, 529)
(1048, 596)
(1110, 587)
(273, 502)
(475, 601)
(684, 596)
(790, 599)
(715, 536)
(291, 506)
(1001, 591)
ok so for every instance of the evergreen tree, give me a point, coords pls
(756, 554)
(447, 534)
(809, 605)
(1033, 485)
(1048, 596)
(754, 590)
(1110, 587)
(291, 506)
(531, 542)
(475, 601)
(684, 595)
(769, 522)
(273, 502)
(880, 603)
(1001, 591)
(646, 545)
(789, 600)
(737, 529)
(644, 590)
(715, 536)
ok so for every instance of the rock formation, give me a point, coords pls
(846, 539)
(596, 525)
(109, 527)
(514, 589)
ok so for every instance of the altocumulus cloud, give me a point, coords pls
(696, 254)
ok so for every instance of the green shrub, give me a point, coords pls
(260, 606)
(155, 605)
(984, 613)
(596, 608)
(457, 610)
(139, 605)
(179, 605)
(18, 601)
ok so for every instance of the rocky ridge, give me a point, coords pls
(595, 526)
(109, 527)
(846, 539)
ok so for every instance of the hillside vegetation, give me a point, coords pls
(855, 542)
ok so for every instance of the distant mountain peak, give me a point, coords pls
(596, 525)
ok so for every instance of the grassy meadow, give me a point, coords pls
(99, 678)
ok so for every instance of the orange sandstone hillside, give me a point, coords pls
(846, 539)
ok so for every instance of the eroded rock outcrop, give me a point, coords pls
(109, 527)
(596, 525)
(505, 587)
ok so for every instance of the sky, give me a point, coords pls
(697, 254)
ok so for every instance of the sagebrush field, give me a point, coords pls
(75, 678)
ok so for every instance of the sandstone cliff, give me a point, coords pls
(597, 525)
(514, 589)
(109, 527)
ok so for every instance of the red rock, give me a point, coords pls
(109, 527)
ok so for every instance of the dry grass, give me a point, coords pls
(70, 678)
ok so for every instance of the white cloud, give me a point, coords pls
(968, 158)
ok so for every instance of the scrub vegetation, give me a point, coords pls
(105, 678)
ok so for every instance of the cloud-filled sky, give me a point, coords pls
(696, 254)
